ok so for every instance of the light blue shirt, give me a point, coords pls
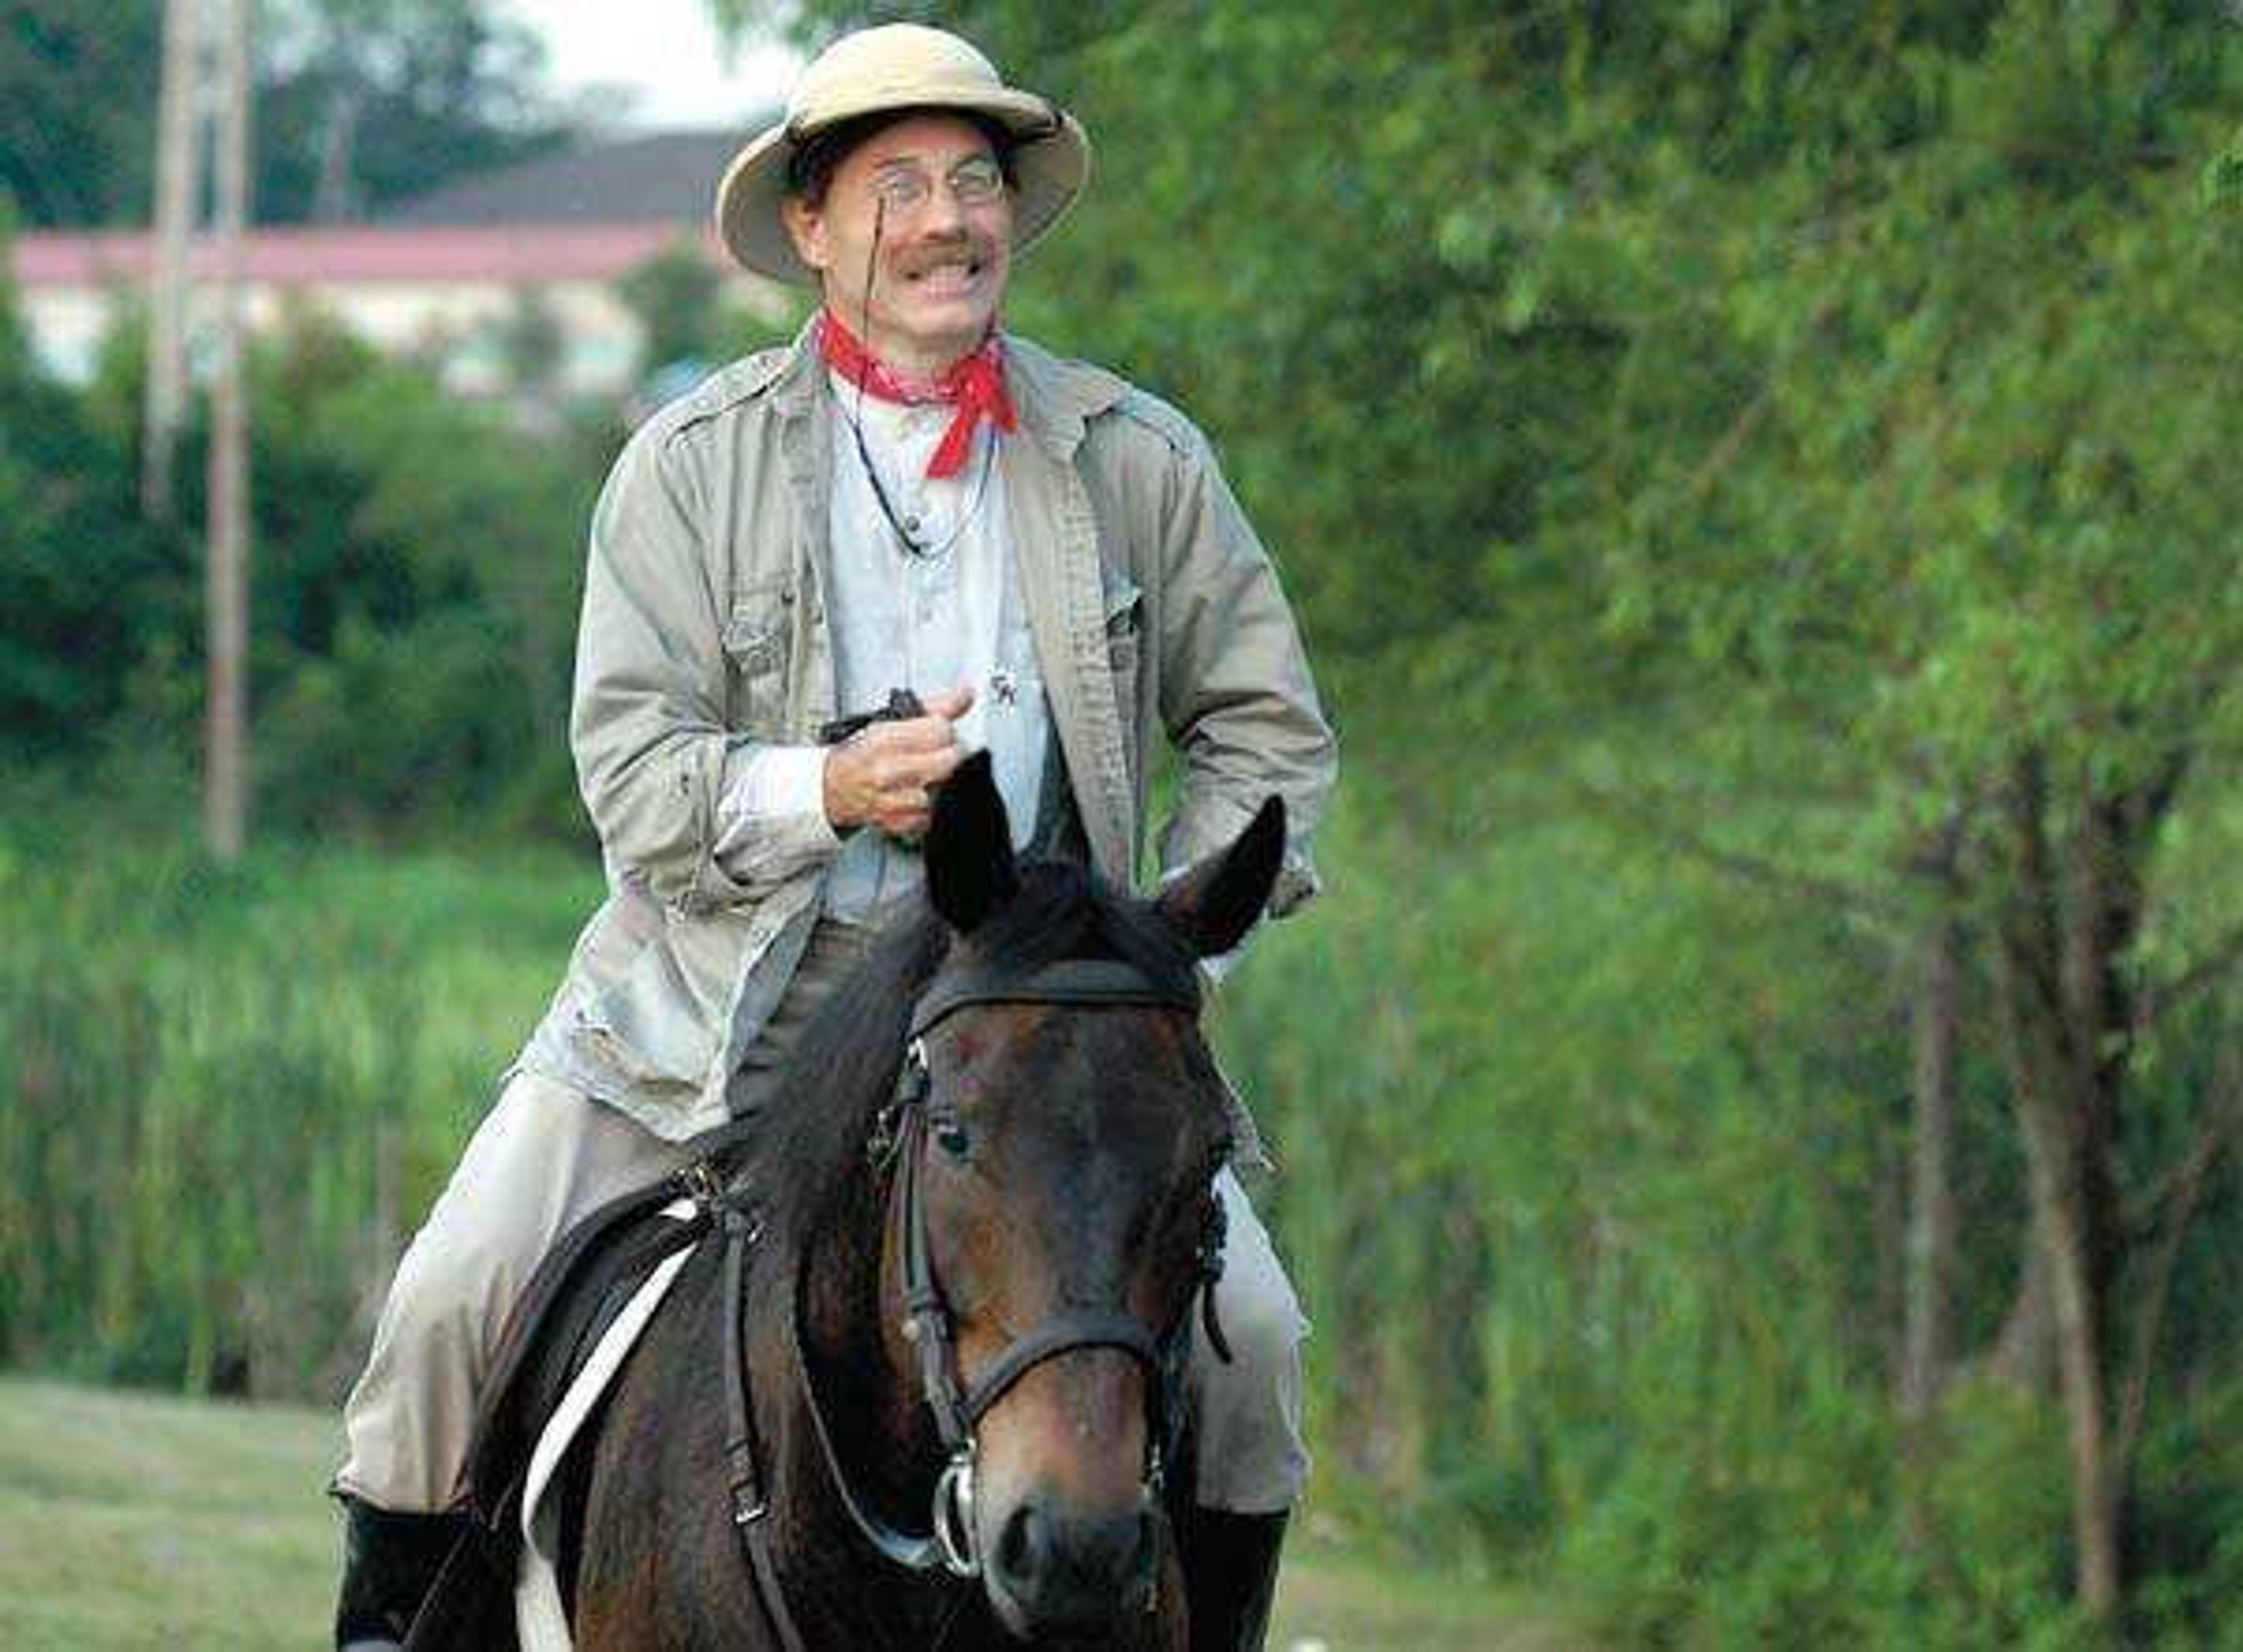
(943, 613)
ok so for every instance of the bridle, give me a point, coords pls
(897, 1147)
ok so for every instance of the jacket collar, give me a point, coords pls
(1055, 399)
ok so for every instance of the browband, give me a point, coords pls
(1067, 981)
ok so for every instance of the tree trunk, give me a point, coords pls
(2069, 1250)
(334, 198)
(1928, 1349)
(2070, 917)
(2024, 1352)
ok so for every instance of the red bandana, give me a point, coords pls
(975, 386)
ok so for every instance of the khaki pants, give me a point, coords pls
(547, 1156)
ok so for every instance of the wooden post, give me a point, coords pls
(226, 774)
(178, 126)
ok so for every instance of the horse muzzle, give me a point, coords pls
(1052, 1569)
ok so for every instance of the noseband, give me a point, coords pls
(899, 1146)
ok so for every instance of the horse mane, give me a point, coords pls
(845, 1068)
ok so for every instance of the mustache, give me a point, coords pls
(944, 247)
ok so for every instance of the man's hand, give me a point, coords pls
(885, 775)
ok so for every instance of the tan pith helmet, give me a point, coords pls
(897, 67)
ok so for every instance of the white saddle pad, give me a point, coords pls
(539, 1619)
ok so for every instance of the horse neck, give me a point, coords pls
(867, 1385)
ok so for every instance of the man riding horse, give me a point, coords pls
(814, 584)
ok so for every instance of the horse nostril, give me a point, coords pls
(1064, 1568)
(1023, 1546)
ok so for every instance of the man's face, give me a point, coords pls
(945, 240)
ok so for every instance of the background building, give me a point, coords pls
(508, 281)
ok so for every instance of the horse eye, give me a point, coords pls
(950, 1136)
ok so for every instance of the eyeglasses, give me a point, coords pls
(976, 181)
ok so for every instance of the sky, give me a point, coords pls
(664, 53)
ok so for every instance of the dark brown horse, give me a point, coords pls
(966, 1260)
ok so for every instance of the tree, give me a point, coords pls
(361, 103)
(2008, 537)
(77, 106)
(88, 587)
(369, 101)
(1840, 393)
(684, 311)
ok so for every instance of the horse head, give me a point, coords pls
(1064, 1219)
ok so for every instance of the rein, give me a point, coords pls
(899, 1144)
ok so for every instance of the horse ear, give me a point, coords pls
(1214, 905)
(970, 869)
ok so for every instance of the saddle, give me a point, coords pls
(579, 1289)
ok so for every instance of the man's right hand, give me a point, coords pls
(885, 775)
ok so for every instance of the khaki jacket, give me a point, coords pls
(1155, 613)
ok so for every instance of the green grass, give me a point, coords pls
(133, 1521)
(231, 1092)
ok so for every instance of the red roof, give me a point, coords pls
(512, 254)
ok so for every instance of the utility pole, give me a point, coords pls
(225, 773)
(178, 151)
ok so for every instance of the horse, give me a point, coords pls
(926, 1392)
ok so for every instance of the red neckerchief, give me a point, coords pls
(975, 385)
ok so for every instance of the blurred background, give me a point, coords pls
(1763, 481)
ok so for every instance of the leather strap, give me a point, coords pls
(914, 1553)
(1088, 980)
(1062, 1333)
(751, 1508)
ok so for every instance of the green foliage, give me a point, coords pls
(1767, 426)
(365, 103)
(78, 107)
(416, 589)
(2191, 1537)
(685, 313)
(360, 103)
(1994, 1492)
(1577, 1148)
(229, 1089)
(1591, 1170)
(85, 584)
(420, 626)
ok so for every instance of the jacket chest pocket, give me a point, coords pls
(759, 639)
(1125, 624)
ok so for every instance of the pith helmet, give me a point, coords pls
(897, 67)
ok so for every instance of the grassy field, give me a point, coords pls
(134, 1520)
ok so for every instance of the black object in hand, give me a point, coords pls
(903, 705)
